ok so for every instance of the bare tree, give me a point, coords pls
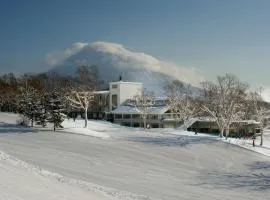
(259, 109)
(182, 102)
(81, 100)
(223, 100)
(143, 104)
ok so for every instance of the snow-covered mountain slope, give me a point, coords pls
(114, 60)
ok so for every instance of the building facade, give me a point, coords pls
(121, 91)
(244, 128)
(115, 105)
(108, 100)
(158, 115)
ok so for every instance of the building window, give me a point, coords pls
(114, 101)
(154, 116)
(127, 116)
(114, 86)
(118, 116)
(135, 116)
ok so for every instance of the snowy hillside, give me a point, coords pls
(114, 59)
(128, 163)
(20, 180)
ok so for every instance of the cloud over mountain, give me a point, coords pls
(114, 59)
(57, 57)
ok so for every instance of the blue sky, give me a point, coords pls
(214, 36)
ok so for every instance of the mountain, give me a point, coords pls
(114, 60)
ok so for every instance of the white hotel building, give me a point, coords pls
(113, 106)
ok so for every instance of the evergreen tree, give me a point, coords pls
(42, 114)
(28, 103)
(56, 110)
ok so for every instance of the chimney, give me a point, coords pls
(120, 77)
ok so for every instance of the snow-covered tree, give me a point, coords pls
(42, 115)
(28, 103)
(182, 102)
(81, 100)
(223, 100)
(143, 104)
(56, 110)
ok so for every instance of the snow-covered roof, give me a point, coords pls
(126, 109)
(102, 92)
(161, 98)
(204, 119)
(210, 119)
(171, 119)
(126, 82)
(246, 121)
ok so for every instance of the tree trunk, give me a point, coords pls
(54, 126)
(74, 116)
(144, 122)
(85, 118)
(185, 125)
(221, 132)
(261, 138)
(227, 132)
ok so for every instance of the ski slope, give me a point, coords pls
(129, 164)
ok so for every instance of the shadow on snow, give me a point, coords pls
(14, 128)
(180, 141)
(255, 177)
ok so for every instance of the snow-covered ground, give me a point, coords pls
(94, 129)
(19, 180)
(248, 144)
(125, 163)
